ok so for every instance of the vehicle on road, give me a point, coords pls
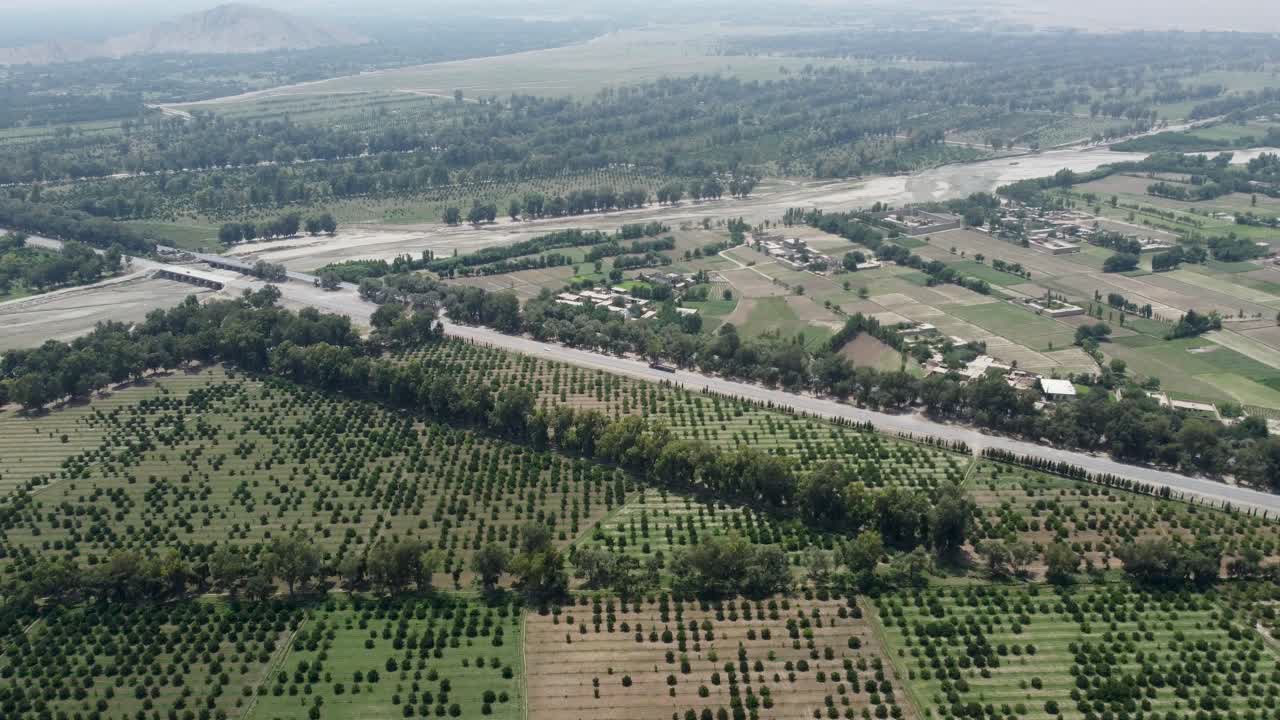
(662, 366)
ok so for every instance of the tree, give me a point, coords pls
(862, 556)
(1170, 563)
(821, 496)
(393, 565)
(230, 234)
(1061, 563)
(902, 516)
(452, 216)
(489, 563)
(950, 519)
(351, 571)
(228, 568)
(293, 559)
(328, 223)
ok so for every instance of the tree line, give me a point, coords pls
(1135, 428)
(38, 218)
(287, 225)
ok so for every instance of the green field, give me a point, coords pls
(1021, 326)
(423, 656)
(985, 272)
(1040, 653)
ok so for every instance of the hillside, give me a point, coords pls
(226, 29)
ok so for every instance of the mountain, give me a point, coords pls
(226, 29)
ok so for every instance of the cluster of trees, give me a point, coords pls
(287, 225)
(1259, 175)
(1192, 192)
(1231, 248)
(539, 566)
(243, 331)
(447, 267)
(1169, 260)
(74, 264)
(1164, 562)
(711, 188)
(859, 227)
(36, 218)
(1120, 262)
(1194, 323)
(78, 86)
(1120, 302)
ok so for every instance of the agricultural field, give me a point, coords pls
(346, 658)
(1041, 653)
(579, 70)
(1097, 521)
(132, 661)
(438, 656)
(779, 658)
(231, 459)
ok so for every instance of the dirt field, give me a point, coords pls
(614, 665)
(867, 351)
(62, 316)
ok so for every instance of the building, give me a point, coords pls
(1053, 246)
(914, 221)
(1057, 389)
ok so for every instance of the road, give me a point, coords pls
(914, 424)
(345, 301)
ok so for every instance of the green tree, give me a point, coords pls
(1061, 563)
(950, 519)
(293, 559)
(489, 563)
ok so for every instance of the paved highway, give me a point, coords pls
(300, 293)
(916, 425)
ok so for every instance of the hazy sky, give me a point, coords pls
(51, 17)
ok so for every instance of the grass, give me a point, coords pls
(185, 235)
(1021, 326)
(986, 272)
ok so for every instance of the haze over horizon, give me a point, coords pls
(32, 20)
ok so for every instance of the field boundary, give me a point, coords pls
(275, 663)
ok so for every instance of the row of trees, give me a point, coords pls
(287, 225)
(36, 218)
(1135, 428)
(293, 562)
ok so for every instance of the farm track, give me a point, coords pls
(275, 662)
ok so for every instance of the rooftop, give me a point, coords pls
(1062, 388)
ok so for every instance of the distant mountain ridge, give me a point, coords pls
(233, 28)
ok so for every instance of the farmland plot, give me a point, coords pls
(435, 657)
(1085, 653)
(238, 461)
(775, 658)
(1098, 521)
(140, 661)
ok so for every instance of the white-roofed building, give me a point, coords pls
(1057, 389)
